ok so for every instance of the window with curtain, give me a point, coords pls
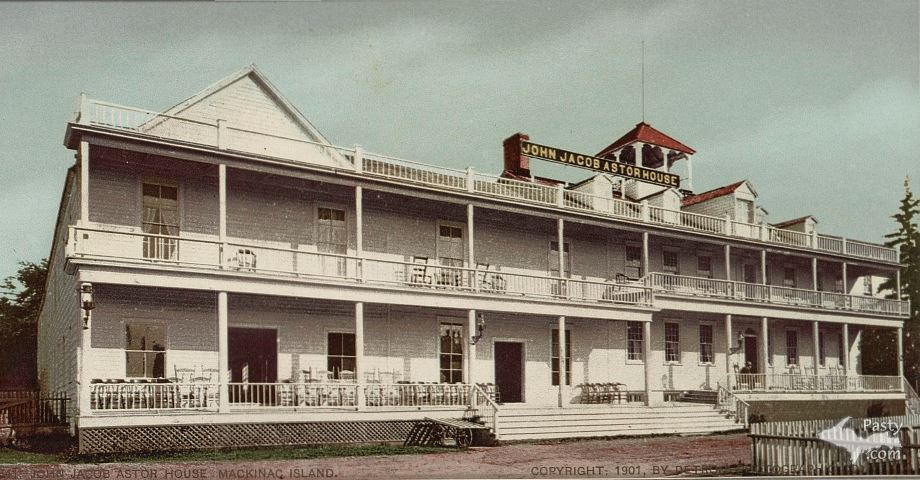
(670, 261)
(145, 350)
(792, 348)
(451, 353)
(704, 266)
(706, 355)
(332, 237)
(671, 342)
(450, 245)
(340, 354)
(634, 340)
(568, 357)
(160, 219)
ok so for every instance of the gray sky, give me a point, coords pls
(817, 103)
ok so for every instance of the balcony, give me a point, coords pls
(800, 383)
(668, 284)
(299, 152)
(126, 246)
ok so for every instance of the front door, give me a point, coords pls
(509, 371)
(750, 352)
(253, 358)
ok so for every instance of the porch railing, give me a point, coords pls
(232, 137)
(750, 292)
(487, 410)
(802, 383)
(277, 395)
(740, 409)
(154, 396)
(237, 257)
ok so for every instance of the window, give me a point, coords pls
(745, 211)
(160, 217)
(145, 350)
(451, 353)
(789, 277)
(634, 340)
(769, 349)
(822, 357)
(838, 285)
(750, 273)
(704, 266)
(670, 261)
(867, 286)
(633, 261)
(554, 260)
(450, 245)
(568, 357)
(671, 342)
(792, 348)
(331, 237)
(706, 344)
(558, 287)
(340, 353)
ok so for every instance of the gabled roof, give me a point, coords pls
(260, 79)
(644, 132)
(714, 193)
(794, 221)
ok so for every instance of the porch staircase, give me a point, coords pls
(28, 417)
(534, 423)
(708, 397)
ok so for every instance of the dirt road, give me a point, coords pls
(636, 457)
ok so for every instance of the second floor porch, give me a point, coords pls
(127, 246)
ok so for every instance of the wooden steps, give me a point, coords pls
(708, 397)
(523, 423)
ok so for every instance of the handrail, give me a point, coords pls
(913, 400)
(685, 285)
(455, 179)
(481, 397)
(740, 409)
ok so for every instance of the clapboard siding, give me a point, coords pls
(59, 323)
(115, 189)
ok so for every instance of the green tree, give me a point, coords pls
(19, 309)
(907, 240)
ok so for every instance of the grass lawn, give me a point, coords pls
(10, 456)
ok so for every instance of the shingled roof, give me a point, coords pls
(644, 132)
(709, 195)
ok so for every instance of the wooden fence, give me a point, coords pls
(837, 447)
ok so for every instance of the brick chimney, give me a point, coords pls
(515, 163)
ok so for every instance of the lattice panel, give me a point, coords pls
(206, 436)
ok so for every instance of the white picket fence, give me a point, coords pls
(815, 447)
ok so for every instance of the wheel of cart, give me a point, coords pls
(458, 430)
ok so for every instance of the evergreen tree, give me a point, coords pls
(907, 239)
(19, 308)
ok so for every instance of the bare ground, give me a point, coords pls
(628, 457)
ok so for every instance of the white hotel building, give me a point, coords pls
(222, 275)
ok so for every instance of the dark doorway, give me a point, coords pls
(509, 371)
(750, 352)
(253, 358)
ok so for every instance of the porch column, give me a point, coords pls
(222, 216)
(645, 261)
(728, 344)
(764, 344)
(815, 334)
(468, 365)
(647, 359)
(897, 282)
(359, 230)
(562, 354)
(763, 267)
(900, 352)
(845, 354)
(84, 372)
(728, 262)
(814, 273)
(471, 252)
(223, 363)
(843, 275)
(359, 354)
(560, 238)
(84, 182)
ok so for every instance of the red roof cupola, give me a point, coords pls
(645, 133)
